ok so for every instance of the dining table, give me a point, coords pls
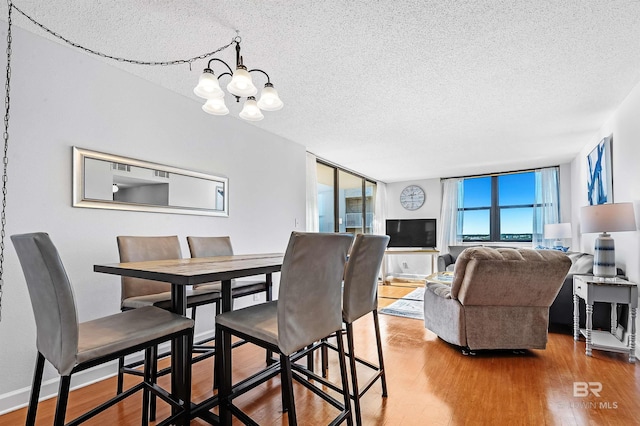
(181, 273)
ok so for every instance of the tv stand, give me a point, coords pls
(410, 250)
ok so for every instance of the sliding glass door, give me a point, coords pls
(345, 201)
(326, 198)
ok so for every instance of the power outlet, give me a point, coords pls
(256, 297)
(405, 265)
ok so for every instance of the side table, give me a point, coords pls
(612, 290)
(411, 251)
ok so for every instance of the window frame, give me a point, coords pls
(495, 236)
(336, 195)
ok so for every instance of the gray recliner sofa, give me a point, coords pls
(498, 299)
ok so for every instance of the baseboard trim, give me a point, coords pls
(19, 398)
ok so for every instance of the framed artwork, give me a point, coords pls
(600, 179)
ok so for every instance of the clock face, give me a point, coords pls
(412, 197)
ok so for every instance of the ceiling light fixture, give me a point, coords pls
(240, 86)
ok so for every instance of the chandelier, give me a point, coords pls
(240, 86)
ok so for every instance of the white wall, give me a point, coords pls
(625, 128)
(61, 98)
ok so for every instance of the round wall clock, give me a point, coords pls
(412, 197)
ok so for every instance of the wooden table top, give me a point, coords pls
(198, 270)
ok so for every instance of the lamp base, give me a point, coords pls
(604, 256)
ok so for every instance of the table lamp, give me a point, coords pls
(557, 231)
(606, 218)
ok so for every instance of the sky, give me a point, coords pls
(514, 189)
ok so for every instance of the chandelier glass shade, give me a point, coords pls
(208, 86)
(241, 83)
(215, 106)
(250, 111)
(240, 86)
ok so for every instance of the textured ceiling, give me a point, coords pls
(396, 90)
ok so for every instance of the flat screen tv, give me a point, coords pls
(411, 232)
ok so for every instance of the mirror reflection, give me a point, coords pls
(113, 182)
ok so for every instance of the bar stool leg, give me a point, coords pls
(343, 375)
(383, 376)
(35, 391)
(354, 375)
(286, 379)
(63, 398)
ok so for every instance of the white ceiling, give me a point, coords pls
(396, 90)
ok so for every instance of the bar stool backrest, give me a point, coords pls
(361, 276)
(140, 249)
(52, 299)
(210, 246)
(309, 298)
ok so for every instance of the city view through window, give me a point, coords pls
(498, 208)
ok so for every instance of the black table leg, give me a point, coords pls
(179, 348)
(269, 297)
(227, 302)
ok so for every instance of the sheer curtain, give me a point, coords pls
(547, 208)
(380, 209)
(450, 232)
(312, 194)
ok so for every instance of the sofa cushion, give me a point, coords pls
(581, 263)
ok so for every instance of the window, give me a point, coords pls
(499, 207)
(345, 201)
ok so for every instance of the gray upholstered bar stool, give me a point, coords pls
(138, 292)
(72, 347)
(221, 246)
(308, 308)
(360, 296)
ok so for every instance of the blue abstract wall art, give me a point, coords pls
(600, 179)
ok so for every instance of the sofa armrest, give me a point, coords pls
(444, 260)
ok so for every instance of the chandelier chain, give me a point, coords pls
(5, 158)
(120, 59)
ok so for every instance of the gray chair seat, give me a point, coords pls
(195, 297)
(259, 321)
(238, 288)
(108, 335)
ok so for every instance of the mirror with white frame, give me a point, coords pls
(106, 181)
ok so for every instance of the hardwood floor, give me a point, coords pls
(430, 383)
(387, 294)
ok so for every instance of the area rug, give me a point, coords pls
(410, 306)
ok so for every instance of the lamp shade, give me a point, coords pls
(208, 86)
(269, 99)
(607, 218)
(250, 111)
(557, 230)
(241, 83)
(215, 106)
